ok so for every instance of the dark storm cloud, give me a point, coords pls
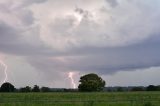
(10, 12)
(113, 3)
(105, 60)
(34, 1)
(84, 36)
(25, 3)
(128, 58)
(12, 42)
(102, 59)
(8, 35)
(10, 39)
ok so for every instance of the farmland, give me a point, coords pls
(81, 99)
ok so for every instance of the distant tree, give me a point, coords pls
(25, 89)
(158, 88)
(137, 89)
(91, 82)
(36, 88)
(7, 87)
(151, 88)
(22, 89)
(120, 89)
(28, 89)
(45, 89)
(70, 90)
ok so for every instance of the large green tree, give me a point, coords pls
(91, 82)
(7, 87)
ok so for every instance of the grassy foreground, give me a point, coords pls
(81, 99)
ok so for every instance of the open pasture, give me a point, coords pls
(81, 99)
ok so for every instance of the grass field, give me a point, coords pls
(81, 99)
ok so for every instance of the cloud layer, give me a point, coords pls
(102, 36)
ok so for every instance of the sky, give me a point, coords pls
(42, 41)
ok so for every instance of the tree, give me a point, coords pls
(25, 89)
(91, 82)
(45, 89)
(151, 88)
(36, 88)
(137, 89)
(7, 87)
(158, 88)
(120, 89)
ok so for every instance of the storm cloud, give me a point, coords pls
(101, 36)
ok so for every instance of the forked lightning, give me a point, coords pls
(70, 75)
(5, 71)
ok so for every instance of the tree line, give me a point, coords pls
(132, 88)
(88, 83)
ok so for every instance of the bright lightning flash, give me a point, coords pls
(5, 71)
(70, 75)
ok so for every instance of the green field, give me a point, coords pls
(81, 99)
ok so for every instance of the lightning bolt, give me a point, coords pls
(70, 75)
(5, 71)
